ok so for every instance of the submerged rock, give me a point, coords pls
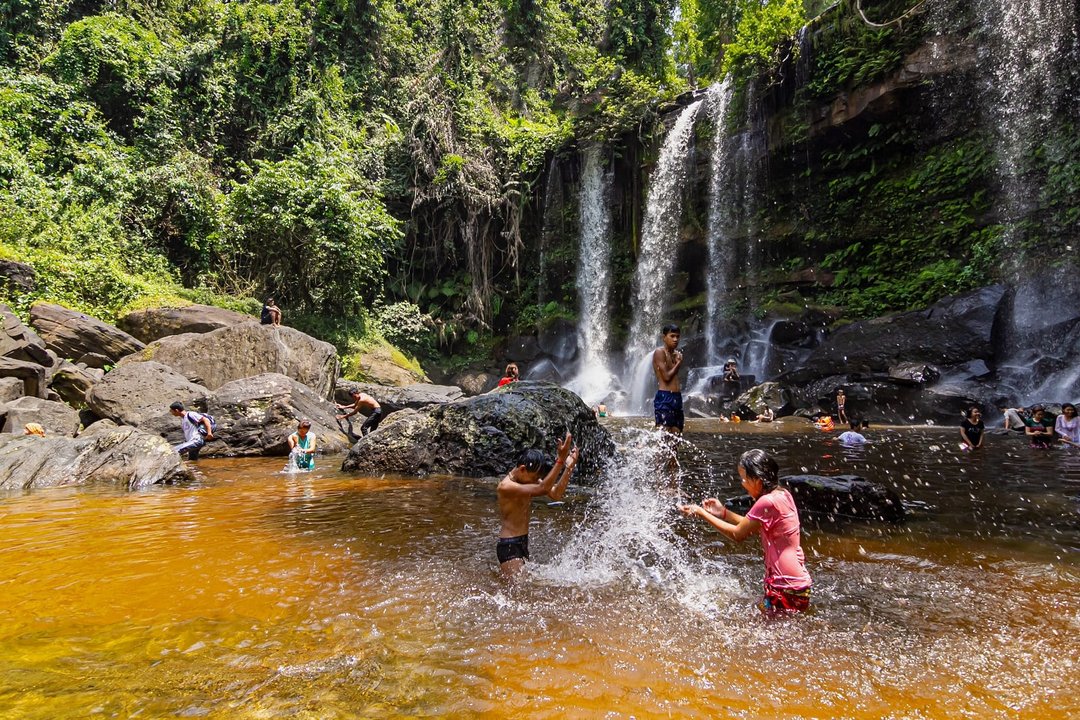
(483, 435)
(841, 497)
(125, 456)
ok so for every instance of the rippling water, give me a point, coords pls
(254, 593)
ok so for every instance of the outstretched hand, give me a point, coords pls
(714, 506)
(689, 510)
(573, 459)
(564, 448)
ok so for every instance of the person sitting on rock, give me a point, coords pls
(512, 375)
(1040, 428)
(34, 429)
(197, 430)
(516, 492)
(730, 380)
(271, 313)
(365, 402)
(302, 446)
(852, 436)
(766, 416)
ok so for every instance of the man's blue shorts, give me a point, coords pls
(667, 408)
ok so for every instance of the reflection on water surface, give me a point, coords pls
(258, 594)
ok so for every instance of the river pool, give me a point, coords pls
(252, 593)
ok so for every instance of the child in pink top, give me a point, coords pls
(774, 515)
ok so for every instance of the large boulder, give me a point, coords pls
(768, 394)
(124, 456)
(215, 358)
(386, 365)
(139, 394)
(482, 436)
(72, 382)
(19, 342)
(392, 399)
(56, 417)
(475, 382)
(11, 388)
(155, 323)
(72, 334)
(16, 277)
(256, 415)
(825, 499)
(30, 374)
(954, 330)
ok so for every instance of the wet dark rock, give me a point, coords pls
(770, 394)
(72, 334)
(139, 394)
(242, 351)
(256, 415)
(559, 340)
(123, 456)
(839, 498)
(954, 330)
(483, 436)
(392, 399)
(56, 417)
(155, 323)
(793, 332)
(916, 373)
(522, 348)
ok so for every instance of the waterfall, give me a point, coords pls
(720, 230)
(594, 380)
(659, 245)
(549, 231)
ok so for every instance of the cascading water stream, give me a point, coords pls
(720, 230)
(594, 379)
(659, 246)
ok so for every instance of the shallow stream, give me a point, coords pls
(254, 593)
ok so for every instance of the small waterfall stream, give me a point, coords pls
(720, 231)
(659, 246)
(594, 381)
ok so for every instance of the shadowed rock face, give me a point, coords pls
(256, 415)
(139, 394)
(124, 456)
(56, 417)
(155, 323)
(483, 435)
(246, 350)
(73, 334)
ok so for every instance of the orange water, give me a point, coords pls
(257, 594)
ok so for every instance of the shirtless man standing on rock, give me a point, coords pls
(516, 492)
(363, 401)
(667, 361)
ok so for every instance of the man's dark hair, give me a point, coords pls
(533, 459)
(854, 424)
(177, 406)
(669, 328)
(758, 464)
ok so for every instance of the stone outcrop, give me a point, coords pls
(483, 435)
(73, 334)
(31, 375)
(56, 417)
(123, 456)
(17, 276)
(155, 323)
(139, 394)
(383, 365)
(19, 342)
(11, 388)
(72, 382)
(256, 415)
(954, 330)
(476, 382)
(392, 399)
(240, 351)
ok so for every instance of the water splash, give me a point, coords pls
(660, 235)
(294, 465)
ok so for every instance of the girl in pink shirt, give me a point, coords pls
(787, 583)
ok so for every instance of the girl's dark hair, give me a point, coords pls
(533, 459)
(972, 409)
(758, 464)
(1068, 405)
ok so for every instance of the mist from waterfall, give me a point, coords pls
(659, 247)
(594, 380)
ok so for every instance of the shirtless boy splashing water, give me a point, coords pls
(516, 492)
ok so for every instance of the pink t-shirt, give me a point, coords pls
(785, 566)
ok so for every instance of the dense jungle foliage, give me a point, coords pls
(379, 165)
